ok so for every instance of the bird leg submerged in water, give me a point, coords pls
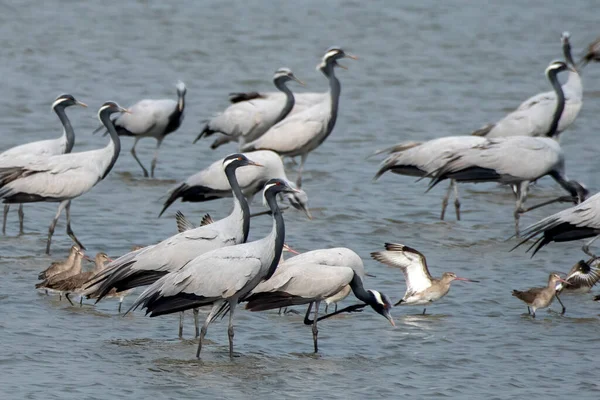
(446, 198)
(315, 331)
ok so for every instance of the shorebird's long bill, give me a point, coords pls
(466, 280)
(288, 248)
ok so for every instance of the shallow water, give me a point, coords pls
(425, 70)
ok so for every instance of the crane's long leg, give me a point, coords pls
(204, 329)
(586, 247)
(61, 206)
(300, 169)
(21, 218)
(445, 200)
(6, 208)
(561, 303)
(69, 230)
(232, 305)
(456, 199)
(181, 324)
(196, 322)
(315, 331)
(155, 158)
(136, 157)
(521, 197)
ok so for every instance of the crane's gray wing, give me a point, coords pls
(298, 284)
(292, 133)
(207, 278)
(147, 115)
(334, 257)
(512, 158)
(144, 266)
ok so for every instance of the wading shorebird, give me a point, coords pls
(421, 287)
(541, 297)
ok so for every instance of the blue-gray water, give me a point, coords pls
(426, 69)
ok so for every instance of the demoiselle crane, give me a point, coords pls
(421, 287)
(252, 114)
(300, 282)
(152, 118)
(42, 148)
(422, 159)
(145, 266)
(64, 177)
(222, 276)
(535, 116)
(301, 133)
(211, 183)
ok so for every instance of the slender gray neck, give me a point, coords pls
(279, 228)
(239, 200)
(289, 99)
(69, 133)
(334, 91)
(359, 290)
(560, 104)
(114, 137)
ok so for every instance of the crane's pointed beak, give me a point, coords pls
(388, 316)
(252, 163)
(297, 80)
(79, 103)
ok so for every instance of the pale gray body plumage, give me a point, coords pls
(152, 118)
(534, 116)
(19, 155)
(64, 177)
(214, 184)
(302, 132)
(246, 120)
(424, 158)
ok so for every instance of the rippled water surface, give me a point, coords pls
(425, 70)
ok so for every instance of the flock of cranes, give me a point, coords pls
(214, 265)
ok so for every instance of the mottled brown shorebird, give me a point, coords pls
(74, 269)
(541, 297)
(581, 278)
(75, 284)
(60, 266)
(421, 287)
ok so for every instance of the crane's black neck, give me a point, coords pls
(279, 227)
(176, 117)
(289, 99)
(334, 91)
(560, 104)
(359, 290)
(567, 53)
(114, 138)
(569, 186)
(239, 200)
(69, 133)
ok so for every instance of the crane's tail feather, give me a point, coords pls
(272, 300)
